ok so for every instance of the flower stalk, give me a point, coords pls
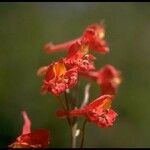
(61, 76)
(83, 133)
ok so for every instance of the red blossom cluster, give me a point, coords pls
(64, 74)
(60, 76)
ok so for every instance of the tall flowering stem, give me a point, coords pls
(62, 76)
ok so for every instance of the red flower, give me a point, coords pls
(93, 38)
(58, 78)
(78, 56)
(36, 139)
(108, 78)
(99, 112)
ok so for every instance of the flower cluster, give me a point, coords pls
(64, 74)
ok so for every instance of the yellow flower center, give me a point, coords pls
(59, 69)
(106, 103)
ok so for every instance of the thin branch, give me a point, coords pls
(73, 123)
(61, 103)
(75, 132)
(65, 109)
(83, 133)
(86, 95)
(69, 120)
(67, 102)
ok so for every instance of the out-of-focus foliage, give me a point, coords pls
(26, 27)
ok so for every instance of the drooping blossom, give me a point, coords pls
(35, 139)
(93, 37)
(58, 78)
(108, 78)
(99, 112)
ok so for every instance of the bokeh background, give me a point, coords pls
(26, 27)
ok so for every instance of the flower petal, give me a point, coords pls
(27, 123)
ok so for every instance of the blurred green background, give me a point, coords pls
(26, 27)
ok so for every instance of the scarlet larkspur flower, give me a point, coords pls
(36, 139)
(78, 56)
(108, 77)
(58, 78)
(93, 37)
(99, 112)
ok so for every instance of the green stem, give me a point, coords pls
(64, 108)
(70, 121)
(61, 103)
(83, 133)
(74, 130)
(67, 102)
(73, 123)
